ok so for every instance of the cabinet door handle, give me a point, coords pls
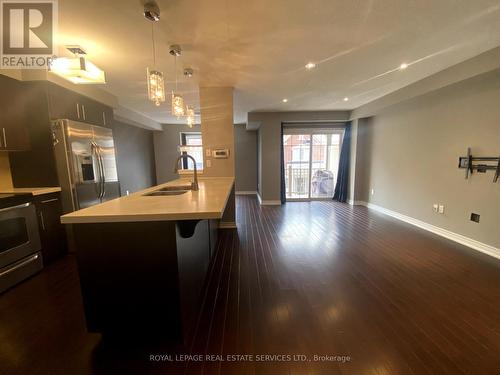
(50, 200)
(83, 111)
(104, 118)
(4, 138)
(77, 110)
(42, 221)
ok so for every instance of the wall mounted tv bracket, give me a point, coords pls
(479, 164)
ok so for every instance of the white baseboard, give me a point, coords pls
(466, 241)
(356, 203)
(227, 225)
(267, 203)
(246, 192)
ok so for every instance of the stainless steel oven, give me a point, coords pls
(20, 255)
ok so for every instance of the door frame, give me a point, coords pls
(312, 130)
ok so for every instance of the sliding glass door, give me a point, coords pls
(311, 159)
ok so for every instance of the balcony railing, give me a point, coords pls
(297, 181)
(298, 184)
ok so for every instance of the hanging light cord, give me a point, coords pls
(153, 38)
(175, 68)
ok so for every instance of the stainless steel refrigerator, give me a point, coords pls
(86, 164)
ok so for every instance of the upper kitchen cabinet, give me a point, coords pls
(63, 104)
(14, 135)
(96, 113)
(66, 104)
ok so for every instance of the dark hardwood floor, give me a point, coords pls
(308, 279)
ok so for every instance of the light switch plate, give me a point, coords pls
(441, 209)
(435, 207)
(208, 152)
(209, 163)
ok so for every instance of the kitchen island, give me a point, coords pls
(143, 258)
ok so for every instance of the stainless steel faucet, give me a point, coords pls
(194, 184)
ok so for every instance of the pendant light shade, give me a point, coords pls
(177, 105)
(156, 86)
(190, 116)
(155, 78)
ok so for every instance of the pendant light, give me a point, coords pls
(178, 108)
(190, 116)
(156, 81)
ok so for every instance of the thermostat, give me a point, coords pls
(221, 153)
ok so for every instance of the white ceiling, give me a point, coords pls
(260, 47)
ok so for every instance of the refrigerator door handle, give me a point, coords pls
(103, 177)
(97, 158)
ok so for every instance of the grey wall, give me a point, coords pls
(269, 134)
(166, 152)
(166, 149)
(363, 155)
(245, 158)
(412, 150)
(135, 157)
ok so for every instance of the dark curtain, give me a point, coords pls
(343, 177)
(282, 172)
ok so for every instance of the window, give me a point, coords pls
(191, 143)
(311, 157)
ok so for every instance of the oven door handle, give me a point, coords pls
(22, 264)
(24, 205)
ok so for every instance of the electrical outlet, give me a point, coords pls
(373, 191)
(209, 163)
(435, 207)
(208, 152)
(127, 192)
(441, 209)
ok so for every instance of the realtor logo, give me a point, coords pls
(28, 31)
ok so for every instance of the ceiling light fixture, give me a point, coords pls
(346, 99)
(403, 66)
(155, 78)
(77, 70)
(310, 65)
(188, 72)
(285, 100)
(190, 119)
(178, 108)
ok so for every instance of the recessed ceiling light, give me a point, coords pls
(403, 66)
(285, 100)
(310, 65)
(346, 99)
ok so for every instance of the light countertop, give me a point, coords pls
(33, 191)
(207, 203)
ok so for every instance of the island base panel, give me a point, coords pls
(129, 278)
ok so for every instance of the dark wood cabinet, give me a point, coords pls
(65, 104)
(34, 105)
(96, 113)
(35, 167)
(52, 233)
(14, 137)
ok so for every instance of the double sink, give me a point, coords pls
(169, 190)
